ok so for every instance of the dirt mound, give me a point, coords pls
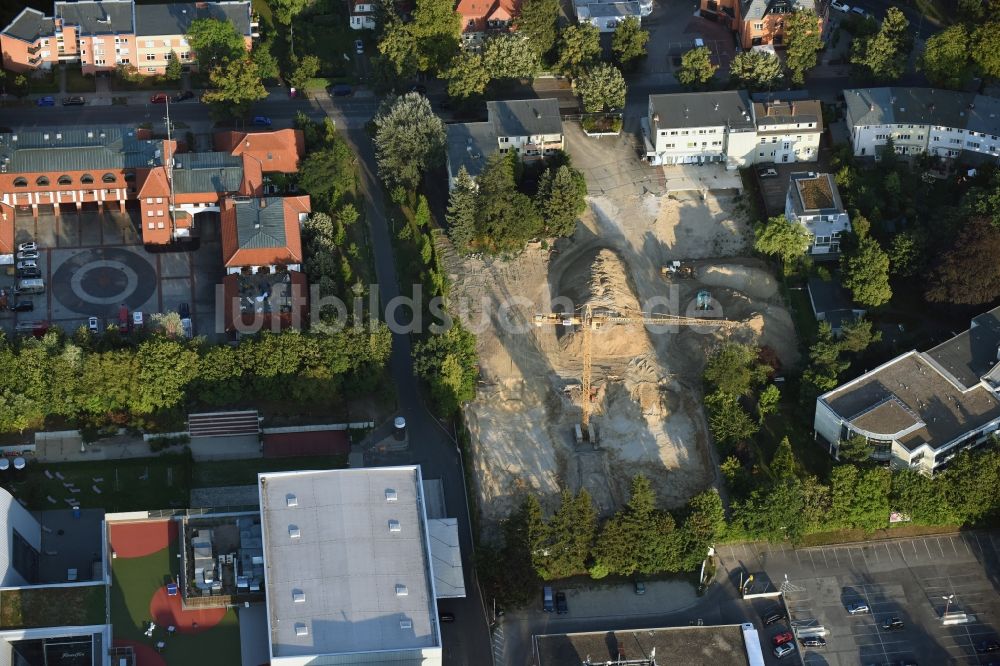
(753, 281)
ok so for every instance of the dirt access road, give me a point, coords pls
(646, 398)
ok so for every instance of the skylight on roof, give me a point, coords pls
(301, 629)
(293, 531)
(394, 526)
(401, 590)
(298, 596)
(291, 499)
(390, 495)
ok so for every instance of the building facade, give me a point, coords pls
(100, 35)
(814, 202)
(362, 15)
(605, 15)
(941, 123)
(788, 131)
(921, 408)
(759, 22)
(482, 18)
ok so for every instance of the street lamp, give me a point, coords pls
(947, 602)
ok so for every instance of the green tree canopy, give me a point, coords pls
(174, 68)
(305, 68)
(286, 10)
(506, 218)
(638, 539)
(696, 67)
(561, 199)
(802, 43)
(538, 22)
(461, 215)
(756, 69)
(398, 51)
(734, 369)
(568, 537)
(767, 401)
(436, 27)
(328, 174)
(985, 49)
(628, 43)
(728, 421)
(508, 56)
(856, 449)
(945, 59)
(602, 88)
(467, 76)
(866, 273)
(409, 140)
(968, 272)
(780, 237)
(236, 85)
(579, 48)
(449, 364)
(215, 42)
(884, 55)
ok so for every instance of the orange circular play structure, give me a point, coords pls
(166, 612)
(141, 538)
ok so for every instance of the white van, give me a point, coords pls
(29, 286)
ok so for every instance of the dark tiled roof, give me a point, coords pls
(972, 353)
(29, 25)
(97, 18)
(700, 646)
(788, 113)
(175, 18)
(828, 296)
(469, 144)
(76, 149)
(730, 108)
(260, 224)
(923, 106)
(525, 117)
(207, 172)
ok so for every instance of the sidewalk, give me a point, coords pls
(67, 449)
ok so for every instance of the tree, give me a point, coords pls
(908, 253)
(448, 362)
(802, 42)
(628, 43)
(921, 499)
(985, 49)
(568, 537)
(945, 59)
(286, 10)
(866, 273)
(733, 369)
(856, 336)
(756, 69)
(125, 72)
(970, 484)
(461, 215)
(856, 449)
(727, 420)
(636, 539)
(602, 88)
(409, 140)
(705, 522)
(767, 402)
(507, 573)
(968, 273)
(506, 218)
(398, 49)
(236, 85)
(436, 27)
(305, 69)
(885, 54)
(467, 76)
(783, 461)
(508, 56)
(215, 42)
(579, 48)
(560, 199)
(774, 513)
(174, 68)
(328, 174)
(263, 57)
(696, 67)
(780, 237)
(538, 22)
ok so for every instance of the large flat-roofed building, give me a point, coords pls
(732, 645)
(347, 567)
(922, 408)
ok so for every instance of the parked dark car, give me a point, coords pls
(73, 101)
(773, 615)
(892, 624)
(447, 617)
(46, 101)
(22, 306)
(561, 606)
(341, 90)
(814, 641)
(158, 98)
(183, 95)
(548, 599)
(262, 121)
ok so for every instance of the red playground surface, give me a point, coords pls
(141, 538)
(166, 612)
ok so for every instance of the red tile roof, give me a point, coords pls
(277, 151)
(237, 251)
(481, 11)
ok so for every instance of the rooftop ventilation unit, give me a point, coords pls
(301, 629)
(406, 624)
(401, 590)
(394, 526)
(58, 135)
(291, 499)
(90, 135)
(293, 532)
(298, 596)
(45, 136)
(390, 495)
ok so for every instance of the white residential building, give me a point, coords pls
(605, 15)
(814, 202)
(943, 123)
(921, 408)
(532, 128)
(725, 126)
(362, 15)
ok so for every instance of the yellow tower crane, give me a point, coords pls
(590, 322)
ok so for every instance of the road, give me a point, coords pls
(921, 26)
(467, 639)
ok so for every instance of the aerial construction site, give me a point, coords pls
(535, 425)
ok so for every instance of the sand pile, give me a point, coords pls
(747, 279)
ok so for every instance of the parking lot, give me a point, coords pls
(93, 262)
(909, 579)
(670, 36)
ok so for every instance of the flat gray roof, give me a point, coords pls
(525, 117)
(729, 108)
(29, 25)
(175, 18)
(972, 353)
(469, 144)
(103, 17)
(691, 646)
(340, 577)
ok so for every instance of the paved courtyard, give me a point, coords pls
(908, 579)
(93, 262)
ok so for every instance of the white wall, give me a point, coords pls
(795, 146)
(826, 423)
(690, 144)
(428, 656)
(15, 516)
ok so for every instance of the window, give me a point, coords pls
(763, 139)
(149, 43)
(20, 182)
(149, 213)
(758, 26)
(42, 180)
(166, 42)
(150, 56)
(159, 225)
(109, 191)
(149, 200)
(159, 213)
(65, 180)
(108, 178)
(151, 69)
(159, 200)
(24, 558)
(150, 225)
(961, 131)
(673, 132)
(100, 61)
(669, 145)
(972, 144)
(504, 139)
(86, 179)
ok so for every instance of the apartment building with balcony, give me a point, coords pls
(813, 201)
(921, 408)
(759, 22)
(531, 128)
(102, 34)
(605, 15)
(482, 18)
(942, 123)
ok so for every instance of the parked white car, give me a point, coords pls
(840, 6)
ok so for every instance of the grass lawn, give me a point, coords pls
(76, 82)
(150, 83)
(128, 485)
(52, 607)
(895, 532)
(244, 472)
(134, 581)
(329, 37)
(40, 82)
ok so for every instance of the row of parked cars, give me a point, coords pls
(554, 601)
